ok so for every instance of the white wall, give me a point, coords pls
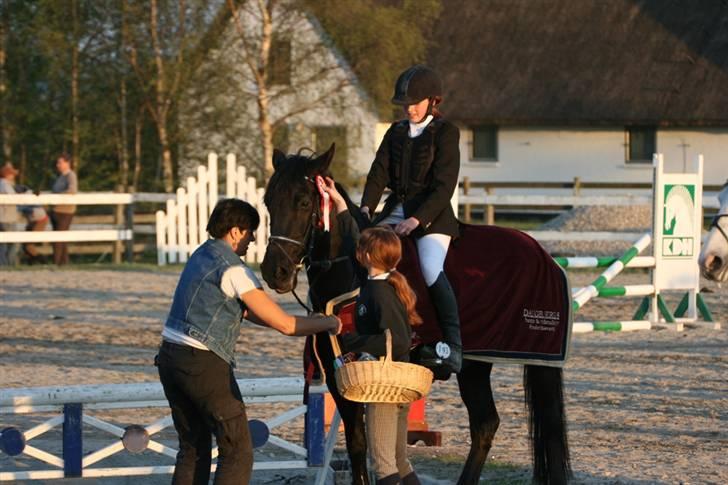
(593, 155)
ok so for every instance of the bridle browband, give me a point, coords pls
(307, 245)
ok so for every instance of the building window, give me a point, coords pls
(485, 143)
(279, 61)
(323, 137)
(641, 144)
(281, 138)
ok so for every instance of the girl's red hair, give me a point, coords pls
(384, 249)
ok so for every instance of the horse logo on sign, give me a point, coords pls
(679, 221)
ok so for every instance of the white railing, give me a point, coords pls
(125, 233)
(74, 403)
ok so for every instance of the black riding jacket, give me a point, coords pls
(422, 173)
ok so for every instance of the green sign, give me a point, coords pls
(678, 227)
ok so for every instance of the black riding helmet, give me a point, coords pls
(415, 84)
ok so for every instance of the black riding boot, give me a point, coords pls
(447, 354)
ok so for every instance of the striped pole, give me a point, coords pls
(589, 292)
(622, 326)
(603, 262)
(617, 291)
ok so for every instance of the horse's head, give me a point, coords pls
(713, 258)
(292, 200)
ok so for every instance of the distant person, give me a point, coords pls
(9, 216)
(36, 219)
(215, 291)
(61, 215)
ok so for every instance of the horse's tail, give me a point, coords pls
(547, 424)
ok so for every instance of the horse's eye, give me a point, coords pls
(304, 204)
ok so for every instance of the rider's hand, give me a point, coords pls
(405, 227)
(365, 212)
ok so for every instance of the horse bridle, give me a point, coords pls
(307, 245)
(714, 223)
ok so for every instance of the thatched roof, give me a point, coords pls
(584, 62)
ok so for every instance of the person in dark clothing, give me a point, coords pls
(215, 291)
(386, 301)
(419, 160)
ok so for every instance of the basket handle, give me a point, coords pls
(335, 346)
(388, 355)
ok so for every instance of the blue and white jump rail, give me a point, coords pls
(73, 402)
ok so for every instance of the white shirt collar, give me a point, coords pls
(416, 129)
(380, 276)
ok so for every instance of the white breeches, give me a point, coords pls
(431, 248)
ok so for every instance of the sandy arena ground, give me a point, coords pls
(643, 407)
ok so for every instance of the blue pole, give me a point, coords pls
(72, 442)
(314, 430)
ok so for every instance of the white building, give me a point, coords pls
(313, 95)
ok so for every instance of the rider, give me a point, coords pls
(419, 160)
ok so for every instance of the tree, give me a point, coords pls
(157, 48)
(379, 39)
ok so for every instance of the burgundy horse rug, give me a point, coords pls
(514, 300)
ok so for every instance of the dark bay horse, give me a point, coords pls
(297, 242)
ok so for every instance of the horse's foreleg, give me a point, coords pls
(547, 424)
(352, 414)
(475, 390)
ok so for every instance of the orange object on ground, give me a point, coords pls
(417, 428)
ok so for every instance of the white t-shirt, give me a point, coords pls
(235, 281)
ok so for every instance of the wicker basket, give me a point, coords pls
(384, 380)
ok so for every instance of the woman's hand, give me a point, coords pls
(405, 227)
(339, 326)
(330, 188)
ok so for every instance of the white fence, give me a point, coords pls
(123, 232)
(182, 227)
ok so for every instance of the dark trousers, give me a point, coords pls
(205, 401)
(61, 222)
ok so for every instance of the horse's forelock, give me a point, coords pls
(283, 180)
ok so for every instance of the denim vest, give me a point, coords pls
(200, 309)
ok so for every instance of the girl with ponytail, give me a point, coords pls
(386, 301)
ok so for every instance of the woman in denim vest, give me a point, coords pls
(215, 291)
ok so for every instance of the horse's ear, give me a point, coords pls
(321, 163)
(278, 158)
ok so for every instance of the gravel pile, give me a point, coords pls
(633, 219)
